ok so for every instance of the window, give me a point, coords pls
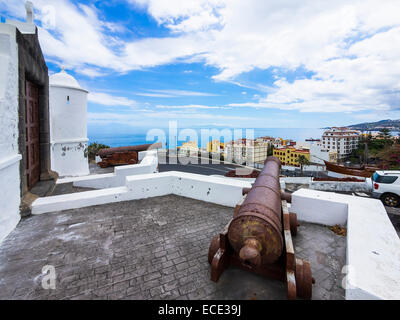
(383, 179)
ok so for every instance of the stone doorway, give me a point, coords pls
(32, 134)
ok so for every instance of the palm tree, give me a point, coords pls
(303, 161)
(384, 133)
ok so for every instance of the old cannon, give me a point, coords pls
(123, 155)
(258, 237)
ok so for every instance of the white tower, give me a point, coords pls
(68, 128)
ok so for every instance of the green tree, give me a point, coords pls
(384, 133)
(389, 158)
(303, 161)
(270, 150)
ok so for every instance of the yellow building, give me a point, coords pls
(284, 142)
(333, 156)
(215, 146)
(289, 156)
(190, 146)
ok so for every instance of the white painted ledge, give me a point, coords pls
(341, 186)
(9, 195)
(250, 180)
(66, 141)
(78, 200)
(329, 185)
(373, 252)
(6, 162)
(211, 189)
(148, 164)
(297, 180)
(314, 206)
(373, 246)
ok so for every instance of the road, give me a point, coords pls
(221, 169)
(199, 168)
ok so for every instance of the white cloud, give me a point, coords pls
(351, 47)
(189, 107)
(184, 15)
(79, 39)
(110, 100)
(93, 73)
(174, 94)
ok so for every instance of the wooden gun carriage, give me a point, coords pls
(259, 236)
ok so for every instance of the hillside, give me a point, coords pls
(366, 126)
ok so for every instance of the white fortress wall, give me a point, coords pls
(9, 156)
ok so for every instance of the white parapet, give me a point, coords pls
(250, 180)
(340, 186)
(148, 164)
(9, 157)
(373, 246)
(373, 252)
(210, 189)
(319, 207)
(297, 180)
(79, 200)
(196, 186)
(10, 195)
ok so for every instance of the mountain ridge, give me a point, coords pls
(393, 125)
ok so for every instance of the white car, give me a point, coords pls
(386, 186)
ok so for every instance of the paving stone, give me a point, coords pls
(152, 276)
(148, 249)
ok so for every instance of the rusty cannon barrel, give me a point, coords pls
(255, 233)
(284, 195)
(123, 155)
(143, 147)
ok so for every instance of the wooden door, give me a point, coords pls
(32, 133)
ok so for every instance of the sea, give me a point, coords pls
(143, 136)
(146, 136)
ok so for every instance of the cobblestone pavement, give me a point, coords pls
(147, 249)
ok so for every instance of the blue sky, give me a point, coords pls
(251, 64)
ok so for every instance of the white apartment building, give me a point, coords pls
(260, 150)
(340, 140)
(318, 154)
(248, 151)
(236, 151)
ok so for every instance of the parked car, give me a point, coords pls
(386, 186)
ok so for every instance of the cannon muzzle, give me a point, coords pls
(250, 252)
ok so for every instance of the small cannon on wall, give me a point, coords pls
(123, 155)
(258, 237)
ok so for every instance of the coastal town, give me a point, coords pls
(249, 218)
(337, 145)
